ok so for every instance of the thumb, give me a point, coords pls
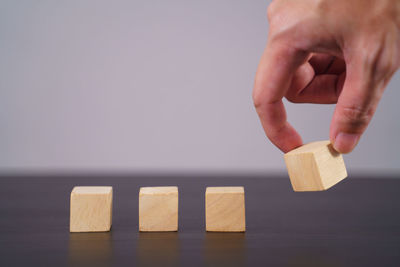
(356, 104)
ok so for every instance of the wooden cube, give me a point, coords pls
(225, 209)
(158, 209)
(315, 166)
(91, 209)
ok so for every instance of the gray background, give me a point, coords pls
(161, 86)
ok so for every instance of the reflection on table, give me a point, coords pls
(222, 249)
(158, 249)
(90, 249)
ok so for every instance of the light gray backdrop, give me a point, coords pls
(143, 85)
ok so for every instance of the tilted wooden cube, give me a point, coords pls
(91, 209)
(158, 209)
(315, 166)
(225, 209)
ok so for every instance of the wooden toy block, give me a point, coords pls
(315, 166)
(225, 209)
(91, 209)
(158, 209)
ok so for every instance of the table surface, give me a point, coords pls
(356, 223)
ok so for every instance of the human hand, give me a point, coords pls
(326, 52)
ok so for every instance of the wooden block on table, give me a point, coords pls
(225, 209)
(91, 209)
(158, 209)
(315, 166)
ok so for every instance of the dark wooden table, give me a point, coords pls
(356, 223)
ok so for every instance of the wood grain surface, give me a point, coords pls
(315, 166)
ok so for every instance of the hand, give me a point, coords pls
(326, 52)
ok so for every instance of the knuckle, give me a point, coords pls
(370, 58)
(381, 59)
(356, 117)
(397, 60)
(397, 54)
(257, 101)
(258, 94)
(385, 67)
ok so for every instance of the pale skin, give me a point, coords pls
(341, 52)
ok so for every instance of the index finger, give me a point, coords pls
(274, 75)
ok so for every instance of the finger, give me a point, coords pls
(319, 89)
(356, 104)
(338, 66)
(321, 62)
(327, 64)
(273, 78)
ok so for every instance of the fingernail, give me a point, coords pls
(345, 142)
